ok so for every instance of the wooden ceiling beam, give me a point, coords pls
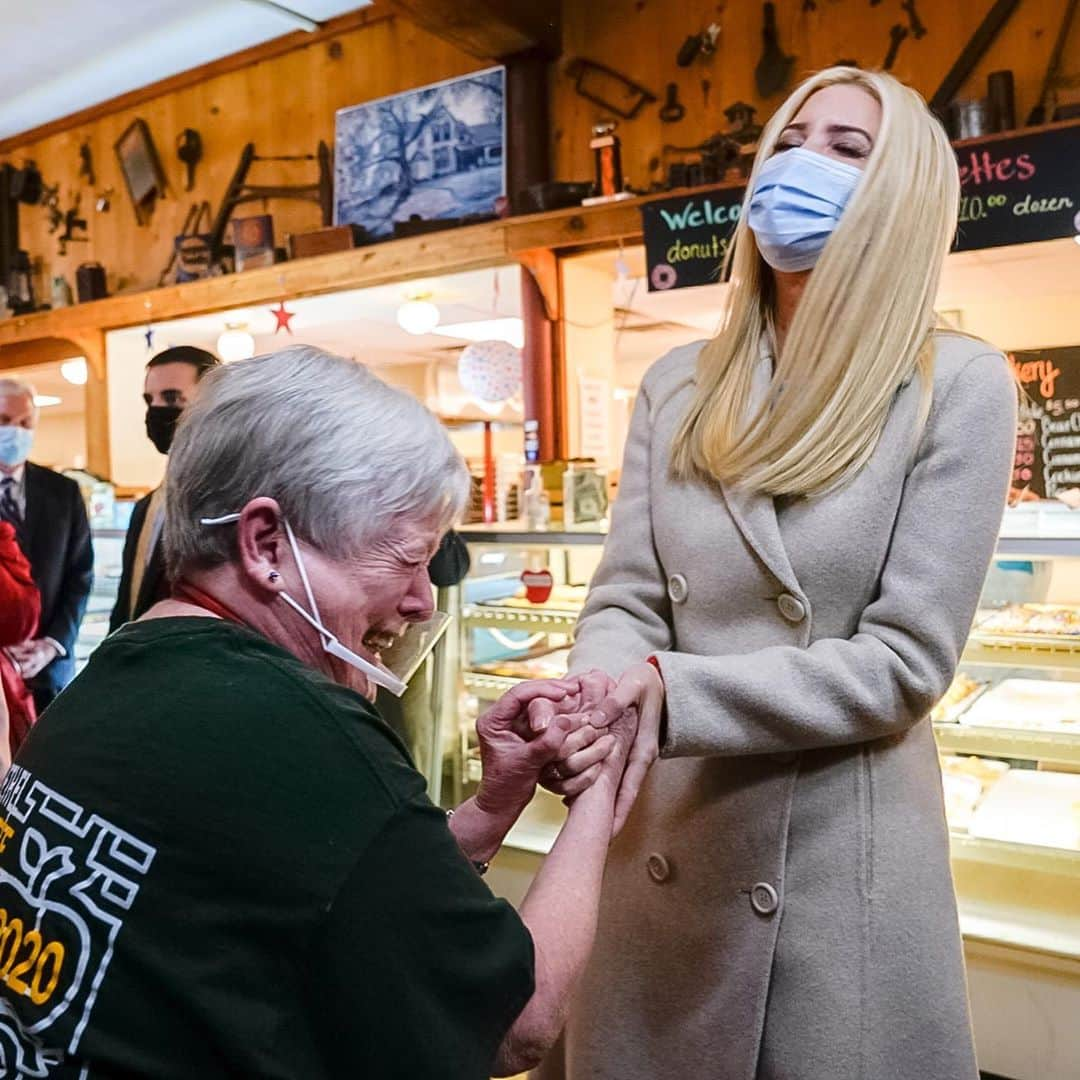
(488, 29)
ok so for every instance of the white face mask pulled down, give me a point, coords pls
(401, 661)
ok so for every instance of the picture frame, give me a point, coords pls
(141, 168)
(435, 153)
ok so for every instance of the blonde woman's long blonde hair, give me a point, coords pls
(863, 325)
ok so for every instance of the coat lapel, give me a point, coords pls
(755, 513)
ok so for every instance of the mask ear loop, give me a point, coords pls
(303, 576)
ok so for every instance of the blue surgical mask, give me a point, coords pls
(797, 201)
(15, 443)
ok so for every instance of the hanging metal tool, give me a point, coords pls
(774, 67)
(73, 222)
(673, 110)
(189, 149)
(86, 164)
(703, 44)
(915, 24)
(897, 35)
(971, 54)
(608, 88)
(1039, 113)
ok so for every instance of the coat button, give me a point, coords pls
(659, 868)
(677, 588)
(764, 899)
(791, 607)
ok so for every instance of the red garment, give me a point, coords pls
(20, 609)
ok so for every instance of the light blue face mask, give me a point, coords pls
(798, 199)
(15, 443)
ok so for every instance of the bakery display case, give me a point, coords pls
(516, 613)
(108, 546)
(1008, 730)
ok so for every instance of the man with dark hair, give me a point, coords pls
(172, 382)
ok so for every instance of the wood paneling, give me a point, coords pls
(642, 37)
(488, 29)
(284, 104)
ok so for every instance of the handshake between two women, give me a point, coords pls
(570, 734)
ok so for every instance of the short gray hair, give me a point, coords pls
(344, 454)
(13, 387)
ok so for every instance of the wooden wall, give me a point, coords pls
(642, 37)
(284, 105)
(287, 103)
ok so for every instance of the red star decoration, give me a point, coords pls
(282, 317)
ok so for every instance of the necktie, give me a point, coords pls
(9, 506)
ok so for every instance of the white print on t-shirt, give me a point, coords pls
(67, 878)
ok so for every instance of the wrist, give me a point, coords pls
(497, 807)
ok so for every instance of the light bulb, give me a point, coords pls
(418, 316)
(235, 344)
(75, 371)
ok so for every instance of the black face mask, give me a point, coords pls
(161, 425)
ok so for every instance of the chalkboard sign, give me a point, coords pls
(1014, 190)
(1048, 431)
(687, 237)
(1019, 189)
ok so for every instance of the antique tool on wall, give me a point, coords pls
(1001, 92)
(703, 44)
(673, 110)
(915, 24)
(240, 191)
(189, 149)
(86, 164)
(141, 167)
(72, 223)
(971, 54)
(897, 35)
(50, 199)
(1039, 113)
(27, 186)
(104, 200)
(706, 163)
(774, 67)
(191, 248)
(744, 130)
(608, 88)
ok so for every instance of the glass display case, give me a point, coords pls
(1008, 731)
(108, 561)
(517, 611)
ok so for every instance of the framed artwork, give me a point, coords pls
(141, 167)
(433, 153)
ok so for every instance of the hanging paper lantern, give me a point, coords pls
(490, 370)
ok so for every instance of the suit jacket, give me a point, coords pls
(56, 539)
(780, 902)
(155, 581)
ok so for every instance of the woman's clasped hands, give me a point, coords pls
(567, 734)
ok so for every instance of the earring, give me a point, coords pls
(274, 576)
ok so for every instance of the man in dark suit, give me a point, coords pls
(171, 384)
(51, 526)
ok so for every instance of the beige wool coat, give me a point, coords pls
(780, 905)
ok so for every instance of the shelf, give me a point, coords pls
(1028, 857)
(1023, 650)
(1037, 547)
(507, 535)
(552, 621)
(486, 686)
(1009, 743)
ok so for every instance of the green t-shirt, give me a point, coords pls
(216, 862)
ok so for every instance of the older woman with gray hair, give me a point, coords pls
(216, 857)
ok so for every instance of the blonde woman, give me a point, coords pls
(808, 506)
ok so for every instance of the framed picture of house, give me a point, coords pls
(433, 153)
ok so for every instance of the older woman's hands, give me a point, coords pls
(530, 727)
